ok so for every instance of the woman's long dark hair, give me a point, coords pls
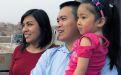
(42, 18)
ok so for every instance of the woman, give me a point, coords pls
(37, 36)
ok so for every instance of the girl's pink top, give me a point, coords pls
(96, 53)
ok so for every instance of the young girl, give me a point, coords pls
(95, 19)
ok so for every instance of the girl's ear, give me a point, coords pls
(101, 22)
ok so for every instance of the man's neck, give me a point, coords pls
(69, 45)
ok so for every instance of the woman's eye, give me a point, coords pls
(29, 24)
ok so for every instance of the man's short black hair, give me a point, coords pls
(70, 3)
(73, 4)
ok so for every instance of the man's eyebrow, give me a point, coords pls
(60, 17)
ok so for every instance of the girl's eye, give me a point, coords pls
(83, 17)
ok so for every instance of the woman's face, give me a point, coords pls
(31, 30)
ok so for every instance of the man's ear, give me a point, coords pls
(101, 22)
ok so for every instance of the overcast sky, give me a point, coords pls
(12, 10)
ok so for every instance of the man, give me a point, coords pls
(55, 60)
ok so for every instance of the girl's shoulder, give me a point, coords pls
(97, 39)
(93, 38)
(90, 36)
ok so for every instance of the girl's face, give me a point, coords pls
(86, 19)
(31, 30)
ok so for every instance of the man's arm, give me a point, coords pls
(106, 69)
(42, 64)
(40, 68)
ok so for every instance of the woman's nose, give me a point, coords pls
(24, 29)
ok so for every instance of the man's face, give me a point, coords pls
(67, 25)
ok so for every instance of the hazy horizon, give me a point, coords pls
(12, 10)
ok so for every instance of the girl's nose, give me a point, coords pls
(78, 22)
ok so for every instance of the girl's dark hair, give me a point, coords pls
(42, 18)
(111, 29)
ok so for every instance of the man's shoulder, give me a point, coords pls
(54, 49)
(49, 53)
